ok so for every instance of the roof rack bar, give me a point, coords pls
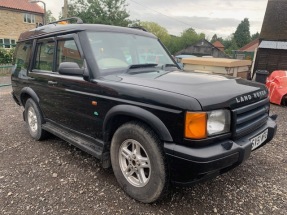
(139, 28)
(79, 20)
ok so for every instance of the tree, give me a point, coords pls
(242, 33)
(230, 44)
(109, 12)
(174, 44)
(214, 38)
(255, 36)
(158, 31)
(49, 17)
(189, 37)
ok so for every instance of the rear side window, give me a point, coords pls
(44, 56)
(68, 52)
(22, 57)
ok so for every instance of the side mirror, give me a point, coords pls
(70, 68)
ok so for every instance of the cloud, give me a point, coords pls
(208, 16)
(55, 6)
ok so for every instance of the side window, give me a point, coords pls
(68, 52)
(22, 57)
(29, 18)
(44, 56)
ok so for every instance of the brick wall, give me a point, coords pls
(12, 23)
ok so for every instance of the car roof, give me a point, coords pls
(59, 29)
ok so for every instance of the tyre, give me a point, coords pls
(34, 120)
(138, 162)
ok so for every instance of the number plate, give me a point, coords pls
(258, 140)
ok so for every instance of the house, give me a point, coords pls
(218, 45)
(203, 48)
(247, 51)
(272, 50)
(17, 16)
(250, 47)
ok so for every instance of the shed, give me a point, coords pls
(247, 52)
(203, 48)
(272, 51)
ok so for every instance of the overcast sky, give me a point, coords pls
(219, 17)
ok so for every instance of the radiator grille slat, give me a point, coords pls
(250, 117)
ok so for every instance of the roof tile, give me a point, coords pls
(250, 46)
(218, 44)
(21, 5)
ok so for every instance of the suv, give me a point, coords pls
(153, 123)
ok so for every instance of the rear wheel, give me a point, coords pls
(138, 162)
(34, 120)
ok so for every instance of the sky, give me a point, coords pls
(211, 17)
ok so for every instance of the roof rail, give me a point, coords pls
(139, 28)
(79, 20)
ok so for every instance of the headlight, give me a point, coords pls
(218, 122)
(199, 125)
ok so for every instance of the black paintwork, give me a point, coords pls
(160, 98)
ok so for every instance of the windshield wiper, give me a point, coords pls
(135, 66)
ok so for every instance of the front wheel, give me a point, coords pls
(138, 162)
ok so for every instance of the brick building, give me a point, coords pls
(17, 16)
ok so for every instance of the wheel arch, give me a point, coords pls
(27, 93)
(123, 113)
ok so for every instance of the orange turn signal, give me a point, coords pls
(63, 23)
(195, 125)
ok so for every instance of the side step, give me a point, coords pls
(87, 144)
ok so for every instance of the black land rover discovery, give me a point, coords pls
(117, 94)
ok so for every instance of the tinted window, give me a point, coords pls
(68, 52)
(22, 56)
(44, 56)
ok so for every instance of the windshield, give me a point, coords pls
(117, 51)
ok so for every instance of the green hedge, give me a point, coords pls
(6, 55)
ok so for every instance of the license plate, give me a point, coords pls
(258, 140)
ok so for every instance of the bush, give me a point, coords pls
(6, 55)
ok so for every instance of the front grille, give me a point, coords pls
(250, 117)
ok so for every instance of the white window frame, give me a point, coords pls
(11, 42)
(32, 18)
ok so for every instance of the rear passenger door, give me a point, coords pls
(42, 75)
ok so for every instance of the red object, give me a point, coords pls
(22, 5)
(277, 86)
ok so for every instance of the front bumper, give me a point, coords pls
(191, 165)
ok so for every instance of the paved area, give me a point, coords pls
(53, 177)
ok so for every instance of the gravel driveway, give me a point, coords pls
(53, 177)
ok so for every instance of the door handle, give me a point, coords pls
(52, 82)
